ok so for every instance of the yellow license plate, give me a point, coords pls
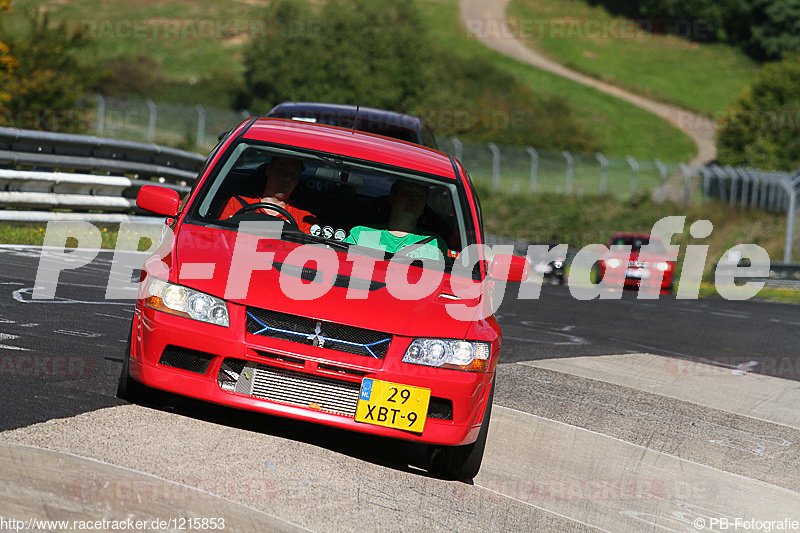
(393, 405)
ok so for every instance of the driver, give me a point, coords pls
(282, 174)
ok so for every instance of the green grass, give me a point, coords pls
(703, 77)
(768, 294)
(593, 219)
(621, 128)
(186, 57)
(122, 28)
(34, 233)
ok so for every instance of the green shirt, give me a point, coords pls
(381, 238)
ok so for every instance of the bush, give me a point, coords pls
(46, 81)
(761, 128)
(764, 29)
(7, 64)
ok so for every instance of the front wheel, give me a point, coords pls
(127, 387)
(462, 462)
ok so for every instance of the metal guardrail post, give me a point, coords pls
(763, 193)
(772, 201)
(720, 175)
(495, 166)
(603, 172)
(534, 186)
(732, 175)
(634, 172)
(791, 190)
(688, 174)
(101, 114)
(570, 170)
(706, 183)
(201, 125)
(746, 186)
(458, 148)
(662, 179)
(151, 124)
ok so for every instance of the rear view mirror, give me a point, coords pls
(511, 268)
(159, 200)
(339, 175)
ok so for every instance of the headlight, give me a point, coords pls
(613, 262)
(445, 353)
(663, 266)
(186, 302)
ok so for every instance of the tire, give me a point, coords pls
(597, 275)
(128, 388)
(461, 462)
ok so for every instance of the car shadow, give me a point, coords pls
(404, 456)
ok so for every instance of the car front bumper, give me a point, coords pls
(204, 349)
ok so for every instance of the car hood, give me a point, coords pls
(197, 248)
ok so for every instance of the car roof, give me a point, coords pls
(351, 143)
(370, 114)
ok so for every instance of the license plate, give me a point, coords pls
(393, 405)
(638, 273)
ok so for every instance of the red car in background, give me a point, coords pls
(638, 258)
(342, 347)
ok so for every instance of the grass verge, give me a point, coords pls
(586, 38)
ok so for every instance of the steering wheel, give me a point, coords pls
(265, 205)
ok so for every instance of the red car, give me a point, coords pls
(639, 259)
(254, 313)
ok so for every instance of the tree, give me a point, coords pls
(761, 128)
(775, 28)
(362, 51)
(45, 80)
(7, 63)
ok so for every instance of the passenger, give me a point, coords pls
(282, 174)
(407, 202)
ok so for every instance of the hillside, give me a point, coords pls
(192, 52)
(703, 77)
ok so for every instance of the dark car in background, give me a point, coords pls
(379, 121)
(552, 270)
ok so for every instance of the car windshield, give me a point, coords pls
(348, 205)
(636, 244)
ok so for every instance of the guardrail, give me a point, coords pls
(747, 187)
(33, 193)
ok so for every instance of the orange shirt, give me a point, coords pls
(304, 219)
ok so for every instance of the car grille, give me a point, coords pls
(637, 264)
(185, 359)
(304, 390)
(440, 408)
(303, 330)
(293, 388)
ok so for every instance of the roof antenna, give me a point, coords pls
(355, 119)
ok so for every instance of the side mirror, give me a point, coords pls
(159, 200)
(511, 268)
